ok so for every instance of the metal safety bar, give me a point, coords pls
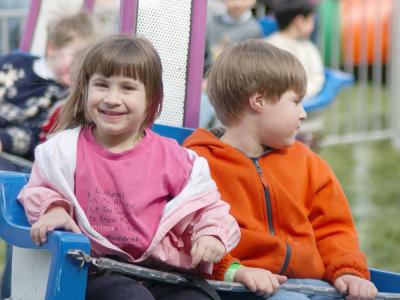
(108, 264)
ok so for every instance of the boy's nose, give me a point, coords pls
(303, 113)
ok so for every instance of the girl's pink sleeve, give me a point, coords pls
(37, 197)
(216, 220)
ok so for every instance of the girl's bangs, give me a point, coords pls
(116, 63)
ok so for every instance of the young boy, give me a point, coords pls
(295, 20)
(30, 86)
(294, 217)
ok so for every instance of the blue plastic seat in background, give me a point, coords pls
(335, 81)
(268, 25)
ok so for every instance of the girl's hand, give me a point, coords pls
(259, 281)
(356, 287)
(208, 249)
(56, 217)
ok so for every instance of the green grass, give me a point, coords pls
(369, 172)
(359, 108)
(370, 175)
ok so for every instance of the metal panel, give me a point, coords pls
(166, 23)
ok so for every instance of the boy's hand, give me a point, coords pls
(356, 287)
(259, 281)
(208, 249)
(55, 217)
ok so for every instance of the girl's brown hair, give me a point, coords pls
(247, 68)
(115, 55)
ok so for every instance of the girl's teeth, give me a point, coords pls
(110, 113)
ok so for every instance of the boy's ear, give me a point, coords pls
(257, 102)
(299, 19)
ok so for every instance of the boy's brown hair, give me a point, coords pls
(65, 30)
(247, 68)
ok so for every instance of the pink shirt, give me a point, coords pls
(123, 194)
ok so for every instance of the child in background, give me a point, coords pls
(135, 194)
(235, 25)
(295, 20)
(294, 217)
(30, 86)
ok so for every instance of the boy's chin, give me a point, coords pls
(289, 142)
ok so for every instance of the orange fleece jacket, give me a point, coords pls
(293, 214)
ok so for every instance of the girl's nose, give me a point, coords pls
(112, 97)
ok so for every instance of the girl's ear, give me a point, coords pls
(257, 102)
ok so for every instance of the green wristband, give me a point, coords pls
(230, 273)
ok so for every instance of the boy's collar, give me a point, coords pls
(243, 18)
(219, 132)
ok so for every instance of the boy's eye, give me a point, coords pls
(298, 101)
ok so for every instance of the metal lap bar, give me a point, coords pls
(173, 278)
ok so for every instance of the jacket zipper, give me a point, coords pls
(287, 259)
(267, 196)
(288, 253)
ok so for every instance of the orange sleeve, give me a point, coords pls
(331, 218)
(221, 267)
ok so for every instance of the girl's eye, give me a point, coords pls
(100, 84)
(128, 88)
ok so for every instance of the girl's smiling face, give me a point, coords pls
(117, 106)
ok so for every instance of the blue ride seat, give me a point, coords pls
(335, 81)
(268, 25)
(66, 278)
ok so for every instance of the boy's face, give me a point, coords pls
(279, 121)
(60, 60)
(236, 8)
(305, 25)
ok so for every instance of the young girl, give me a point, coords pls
(134, 193)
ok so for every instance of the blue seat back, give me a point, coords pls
(385, 281)
(10, 185)
(177, 133)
